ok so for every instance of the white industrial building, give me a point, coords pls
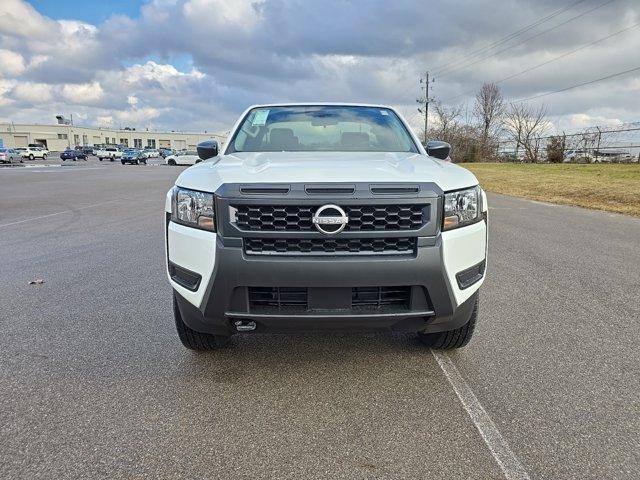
(58, 137)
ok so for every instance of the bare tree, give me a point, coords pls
(526, 125)
(446, 120)
(489, 108)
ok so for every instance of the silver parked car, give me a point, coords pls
(10, 155)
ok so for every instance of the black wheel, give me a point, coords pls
(75, 159)
(172, 162)
(31, 157)
(136, 162)
(192, 339)
(123, 162)
(111, 159)
(452, 338)
(44, 157)
(100, 158)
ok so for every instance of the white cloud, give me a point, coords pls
(220, 13)
(583, 120)
(83, 93)
(140, 116)
(5, 87)
(33, 92)
(11, 63)
(163, 74)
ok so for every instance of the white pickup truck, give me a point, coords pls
(325, 217)
(110, 153)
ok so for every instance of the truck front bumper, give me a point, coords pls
(213, 281)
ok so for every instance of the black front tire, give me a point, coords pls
(193, 339)
(452, 339)
(171, 162)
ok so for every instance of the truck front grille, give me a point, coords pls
(297, 218)
(319, 246)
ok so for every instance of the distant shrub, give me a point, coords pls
(555, 149)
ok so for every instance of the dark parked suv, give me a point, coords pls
(71, 154)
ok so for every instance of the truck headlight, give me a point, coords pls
(462, 208)
(193, 209)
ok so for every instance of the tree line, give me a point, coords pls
(476, 136)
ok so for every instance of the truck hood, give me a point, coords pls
(324, 167)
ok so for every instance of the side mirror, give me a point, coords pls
(207, 149)
(438, 149)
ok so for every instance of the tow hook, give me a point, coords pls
(244, 326)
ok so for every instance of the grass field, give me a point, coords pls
(614, 188)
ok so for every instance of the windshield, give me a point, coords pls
(320, 129)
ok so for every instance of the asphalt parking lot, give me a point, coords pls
(95, 384)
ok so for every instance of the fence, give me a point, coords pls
(594, 144)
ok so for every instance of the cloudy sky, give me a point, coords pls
(196, 64)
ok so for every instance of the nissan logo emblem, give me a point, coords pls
(330, 219)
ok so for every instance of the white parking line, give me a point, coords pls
(66, 170)
(56, 213)
(504, 457)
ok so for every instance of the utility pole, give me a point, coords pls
(424, 82)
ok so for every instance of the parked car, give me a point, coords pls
(134, 157)
(366, 231)
(151, 153)
(73, 154)
(165, 152)
(577, 156)
(87, 150)
(40, 147)
(612, 156)
(33, 152)
(10, 155)
(110, 153)
(186, 157)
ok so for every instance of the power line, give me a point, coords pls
(578, 85)
(446, 73)
(566, 54)
(510, 36)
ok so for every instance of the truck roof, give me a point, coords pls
(320, 104)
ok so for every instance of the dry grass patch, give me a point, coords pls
(614, 188)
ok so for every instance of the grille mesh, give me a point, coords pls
(380, 296)
(278, 297)
(329, 245)
(361, 297)
(297, 218)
